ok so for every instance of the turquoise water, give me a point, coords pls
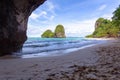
(45, 47)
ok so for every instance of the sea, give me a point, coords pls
(48, 47)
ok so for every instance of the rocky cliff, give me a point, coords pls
(99, 22)
(13, 23)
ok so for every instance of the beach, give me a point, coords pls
(99, 62)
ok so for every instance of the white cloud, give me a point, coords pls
(44, 15)
(50, 5)
(35, 15)
(36, 31)
(107, 16)
(102, 7)
(80, 28)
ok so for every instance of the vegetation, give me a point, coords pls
(59, 33)
(107, 28)
(47, 34)
(116, 17)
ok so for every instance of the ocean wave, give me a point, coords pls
(40, 45)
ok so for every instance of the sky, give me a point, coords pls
(77, 16)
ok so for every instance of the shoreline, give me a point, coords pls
(88, 62)
(62, 52)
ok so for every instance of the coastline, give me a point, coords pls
(90, 63)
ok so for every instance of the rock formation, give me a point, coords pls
(99, 22)
(60, 31)
(47, 34)
(13, 23)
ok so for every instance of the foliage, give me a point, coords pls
(47, 34)
(59, 28)
(116, 17)
(106, 28)
(59, 33)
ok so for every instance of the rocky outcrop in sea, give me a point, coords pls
(58, 33)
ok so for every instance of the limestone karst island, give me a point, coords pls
(58, 33)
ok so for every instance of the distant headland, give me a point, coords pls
(107, 28)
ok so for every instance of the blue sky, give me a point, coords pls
(77, 16)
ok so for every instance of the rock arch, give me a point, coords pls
(13, 23)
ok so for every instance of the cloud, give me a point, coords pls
(35, 15)
(107, 16)
(80, 28)
(102, 7)
(50, 6)
(51, 18)
(37, 30)
(44, 14)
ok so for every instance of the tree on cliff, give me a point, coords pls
(116, 17)
(100, 22)
(60, 31)
(47, 34)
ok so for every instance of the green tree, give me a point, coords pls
(116, 17)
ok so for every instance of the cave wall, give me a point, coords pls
(14, 16)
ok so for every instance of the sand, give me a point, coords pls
(99, 62)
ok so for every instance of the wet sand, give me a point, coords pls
(100, 62)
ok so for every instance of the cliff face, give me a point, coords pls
(99, 22)
(13, 23)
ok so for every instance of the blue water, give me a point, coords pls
(44, 47)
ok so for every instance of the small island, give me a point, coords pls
(58, 33)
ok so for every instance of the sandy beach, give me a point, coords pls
(99, 62)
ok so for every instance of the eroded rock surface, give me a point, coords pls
(13, 23)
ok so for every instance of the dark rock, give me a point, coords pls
(13, 23)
